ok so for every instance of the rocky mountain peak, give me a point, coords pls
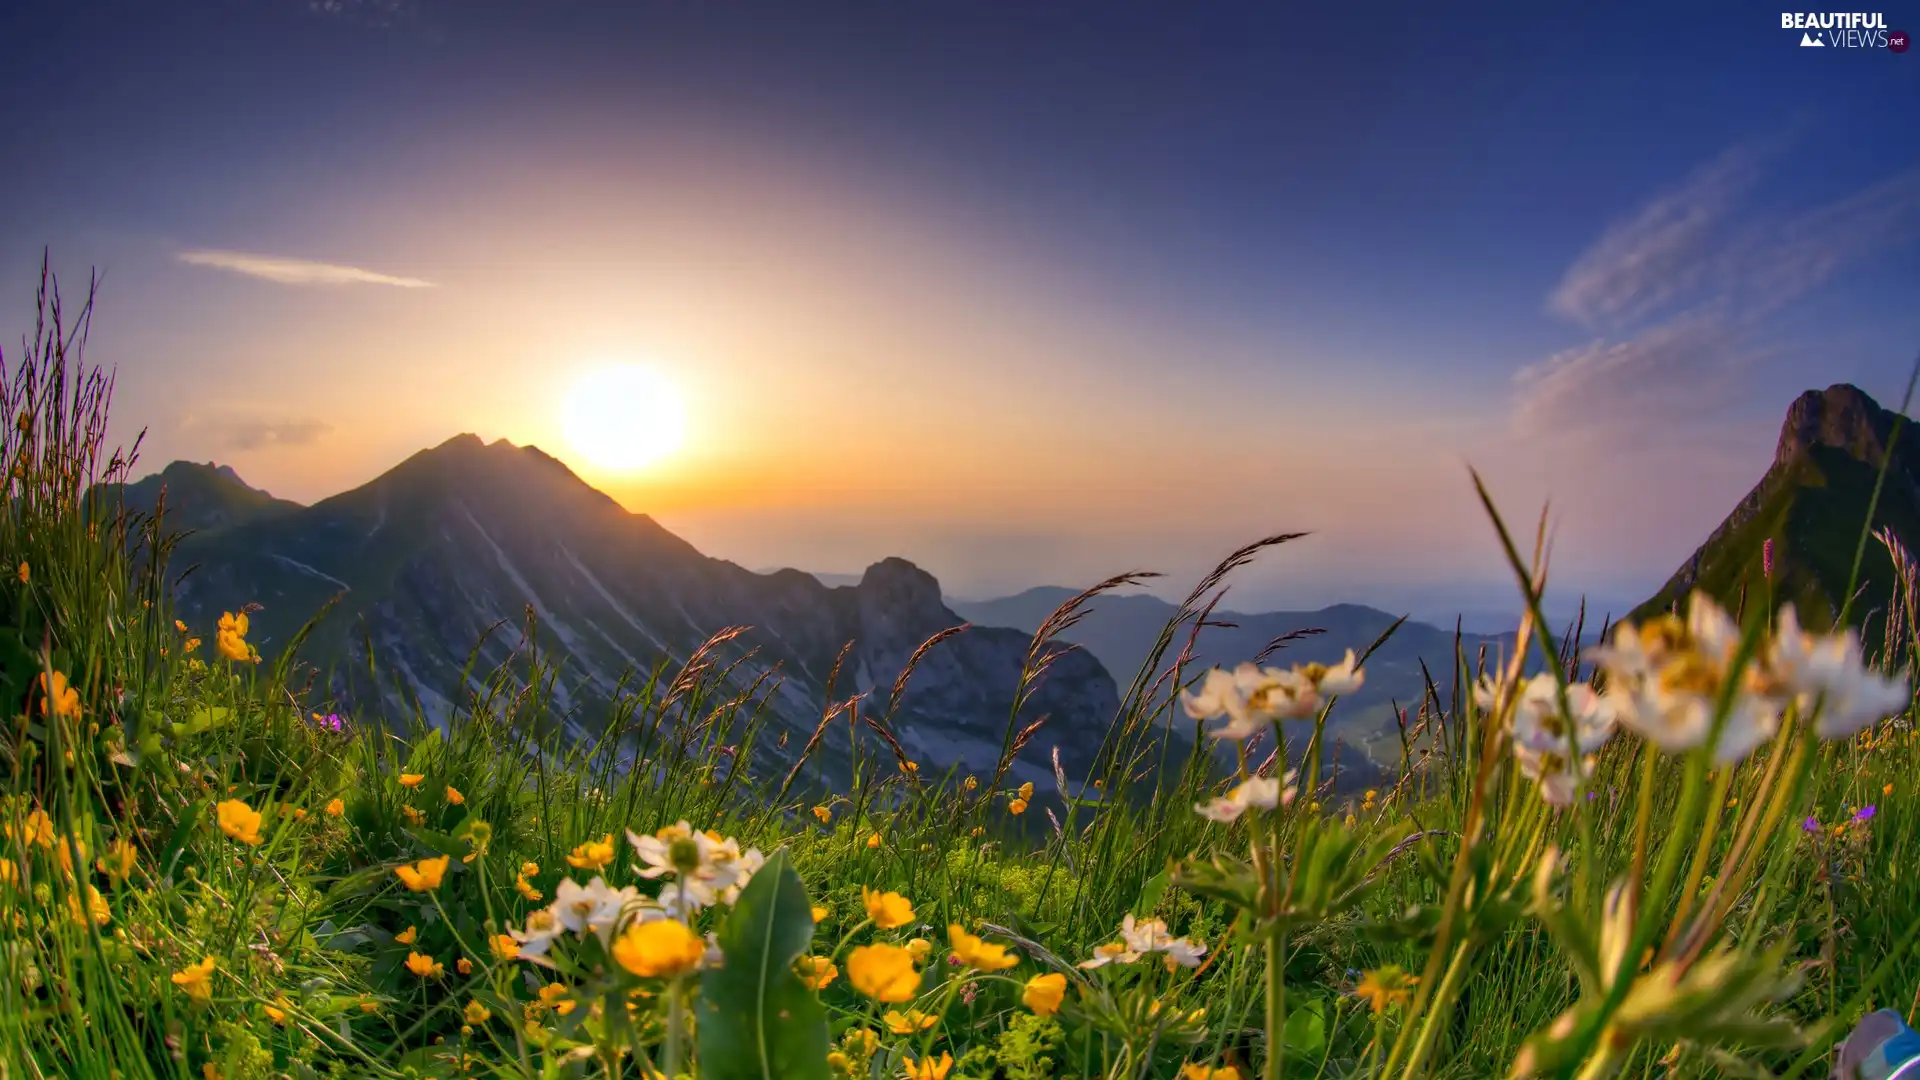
(1842, 417)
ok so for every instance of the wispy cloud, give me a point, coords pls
(1679, 293)
(239, 430)
(286, 271)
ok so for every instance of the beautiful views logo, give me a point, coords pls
(1844, 30)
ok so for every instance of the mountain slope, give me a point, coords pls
(1812, 503)
(456, 539)
(1121, 631)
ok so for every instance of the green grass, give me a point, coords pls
(1437, 876)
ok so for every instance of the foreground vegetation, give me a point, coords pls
(1710, 869)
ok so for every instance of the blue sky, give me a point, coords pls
(1028, 293)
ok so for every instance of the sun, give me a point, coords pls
(624, 419)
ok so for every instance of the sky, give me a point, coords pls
(1026, 293)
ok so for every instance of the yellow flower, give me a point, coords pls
(411, 779)
(408, 936)
(593, 854)
(1888, 790)
(476, 1014)
(659, 948)
(554, 996)
(504, 946)
(911, 767)
(1044, 993)
(820, 913)
(240, 821)
(972, 783)
(453, 795)
(24, 573)
(978, 954)
(888, 910)
(526, 889)
(838, 1062)
(369, 1006)
(277, 1012)
(1386, 987)
(190, 644)
(336, 807)
(883, 972)
(928, 1068)
(1195, 1071)
(59, 698)
(425, 966)
(196, 980)
(463, 965)
(920, 948)
(824, 814)
(1017, 807)
(816, 971)
(412, 814)
(299, 813)
(38, 829)
(911, 1022)
(873, 841)
(425, 875)
(231, 637)
(1026, 791)
(96, 908)
(528, 869)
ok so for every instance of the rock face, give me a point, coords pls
(427, 561)
(1843, 418)
(1812, 503)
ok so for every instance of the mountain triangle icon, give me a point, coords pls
(1808, 40)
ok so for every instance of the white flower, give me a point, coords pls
(1138, 937)
(707, 868)
(596, 906)
(1259, 792)
(1144, 935)
(1185, 953)
(1252, 697)
(1538, 723)
(542, 927)
(1114, 953)
(1666, 679)
(1221, 695)
(1558, 776)
(1832, 674)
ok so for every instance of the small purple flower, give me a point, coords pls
(1863, 815)
(1812, 824)
(330, 722)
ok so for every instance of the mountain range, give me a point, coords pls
(429, 556)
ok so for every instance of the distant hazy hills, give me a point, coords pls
(1812, 503)
(430, 555)
(1121, 631)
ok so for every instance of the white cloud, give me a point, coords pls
(1680, 293)
(1676, 246)
(287, 271)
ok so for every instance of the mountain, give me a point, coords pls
(430, 555)
(200, 498)
(1812, 503)
(1121, 631)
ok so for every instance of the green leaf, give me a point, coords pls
(1307, 1029)
(757, 1020)
(1152, 892)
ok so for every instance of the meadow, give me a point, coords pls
(1696, 853)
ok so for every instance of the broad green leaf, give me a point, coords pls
(1152, 892)
(1307, 1029)
(757, 1020)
